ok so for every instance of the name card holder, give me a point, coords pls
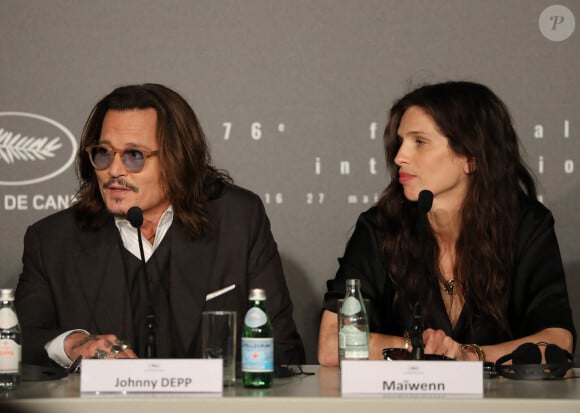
(412, 377)
(152, 376)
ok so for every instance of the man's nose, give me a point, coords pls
(117, 167)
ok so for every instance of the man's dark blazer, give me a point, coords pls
(73, 278)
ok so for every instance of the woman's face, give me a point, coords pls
(426, 161)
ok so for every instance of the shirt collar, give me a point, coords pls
(164, 222)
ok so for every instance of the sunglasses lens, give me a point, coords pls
(436, 357)
(396, 354)
(133, 159)
(402, 354)
(101, 157)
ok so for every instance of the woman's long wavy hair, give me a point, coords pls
(478, 126)
(188, 177)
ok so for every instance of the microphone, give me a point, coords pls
(425, 201)
(135, 217)
(424, 205)
(416, 333)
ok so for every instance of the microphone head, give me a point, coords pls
(135, 216)
(425, 201)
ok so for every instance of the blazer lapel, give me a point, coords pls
(190, 271)
(99, 266)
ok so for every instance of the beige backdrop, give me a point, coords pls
(293, 97)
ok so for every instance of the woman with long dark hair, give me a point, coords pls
(491, 275)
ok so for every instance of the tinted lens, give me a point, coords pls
(435, 357)
(133, 159)
(101, 157)
(396, 354)
(402, 354)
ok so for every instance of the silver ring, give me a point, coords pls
(100, 354)
(117, 348)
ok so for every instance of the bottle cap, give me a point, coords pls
(353, 282)
(6, 294)
(257, 294)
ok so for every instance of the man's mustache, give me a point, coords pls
(120, 182)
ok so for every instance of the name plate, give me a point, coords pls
(152, 375)
(412, 377)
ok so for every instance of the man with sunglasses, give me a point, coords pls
(206, 242)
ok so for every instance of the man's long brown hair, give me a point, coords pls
(479, 127)
(188, 177)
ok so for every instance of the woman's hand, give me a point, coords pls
(437, 342)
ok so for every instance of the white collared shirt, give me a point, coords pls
(129, 237)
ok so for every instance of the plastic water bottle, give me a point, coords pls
(257, 343)
(10, 342)
(353, 326)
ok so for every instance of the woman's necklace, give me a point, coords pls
(449, 286)
(449, 291)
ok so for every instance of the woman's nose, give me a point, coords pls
(400, 157)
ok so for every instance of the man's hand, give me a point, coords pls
(92, 346)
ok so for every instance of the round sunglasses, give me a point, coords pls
(101, 157)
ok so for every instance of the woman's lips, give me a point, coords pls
(404, 177)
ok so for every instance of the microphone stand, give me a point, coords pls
(424, 204)
(416, 333)
(135, 217)
(151, 345)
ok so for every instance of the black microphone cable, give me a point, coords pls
(424, 204)
(135, 217)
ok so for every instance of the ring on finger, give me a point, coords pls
(118, 348)
(100, 354)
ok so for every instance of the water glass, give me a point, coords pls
(219, 341)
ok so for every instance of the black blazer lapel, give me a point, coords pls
(190, 271)
(99, 266)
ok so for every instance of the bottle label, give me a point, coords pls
(255, 317)
(8, 318)
(350, 306)
(257, 355)
(10, 356)
(353, 343)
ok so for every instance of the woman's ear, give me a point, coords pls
(469, 166)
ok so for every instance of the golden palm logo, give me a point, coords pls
(30, 138)
(14, 146)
